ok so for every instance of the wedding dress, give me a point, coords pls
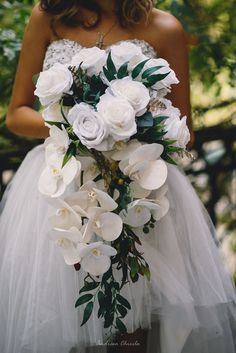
(190, 295)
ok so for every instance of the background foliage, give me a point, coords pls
(211, 31)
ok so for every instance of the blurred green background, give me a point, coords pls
(210, 27)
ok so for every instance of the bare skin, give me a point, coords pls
(163, 31)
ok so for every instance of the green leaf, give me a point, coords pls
(101, 298)
(122, 310)
(89, 286)
(108, 74)
(145, 121)
(146, 272)
(151, 80)
(109, 318)
(159, 119)
(35, 79)
(150, 71)
(123, 70)
(168, 159)
(87, 312)
(138, 68)
(106, 275)
(110, 65)
(84, 299)
(123, 301)
(69, 153)
(134, 266)
(56, 123)
(168, 142)
(121, 326)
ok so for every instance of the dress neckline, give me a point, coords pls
(67, 40)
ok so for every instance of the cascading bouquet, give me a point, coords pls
(111, 134)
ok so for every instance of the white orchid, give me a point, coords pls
(107, 225)
(90, 196)
(139, 212)
(122, 149)
(162, 200)
(89, 168)
(53, 113)
(67, 241)
(57, 142)
(95, 257)
(66, 215)
(145, 167)
(55, 178)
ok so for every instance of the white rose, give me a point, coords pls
(119, 116)
(162, 86)
(163, 106)
(52, 83)
(126, 51)
(92, 59)
(53, 113)
(177, 129)
(88, 126)
(135, 92)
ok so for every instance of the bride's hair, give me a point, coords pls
(129, 12)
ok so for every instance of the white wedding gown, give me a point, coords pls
(190, 294)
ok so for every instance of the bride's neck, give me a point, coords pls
(107, 7)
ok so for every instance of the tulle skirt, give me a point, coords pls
(188, 306)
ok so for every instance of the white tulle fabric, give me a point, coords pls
(189, 306)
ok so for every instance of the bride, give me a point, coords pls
(189, 305)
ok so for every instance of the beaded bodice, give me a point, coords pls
(63, 50)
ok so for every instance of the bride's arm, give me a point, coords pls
(22, 119)
(172, 45)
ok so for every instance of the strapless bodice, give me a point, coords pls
(63, 50)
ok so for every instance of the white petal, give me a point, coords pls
(47, 184)
(80, 199)
(88, 186)
(66, 220)
(123, 150)
(73, 234)
(151, 175)
(138, 191)
(106, 202)
(107, 250)
(96, 266)
(164, 208)
(70, 170)
(84, 249)
(70, 254)
(88, 232)
(136, 216)
(60, 137)
(148, 152)
(61, 188)
(110, 226)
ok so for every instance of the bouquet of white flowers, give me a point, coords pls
(111, 132)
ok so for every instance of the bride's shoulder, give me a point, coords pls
(165, 30)
(40, 21)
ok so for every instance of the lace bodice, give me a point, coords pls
(63, 50)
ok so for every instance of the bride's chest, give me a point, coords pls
(62, 51)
